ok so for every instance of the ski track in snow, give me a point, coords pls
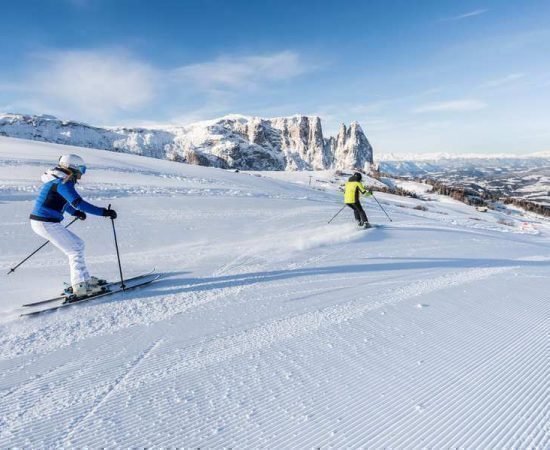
(271, 329)
(254, 339)
(291, 327)
(143, 376)
(102, 398)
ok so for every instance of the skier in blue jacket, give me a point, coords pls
(57, 196)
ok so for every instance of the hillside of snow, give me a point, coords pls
(269, 327)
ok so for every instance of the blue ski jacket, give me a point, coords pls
(57, 196)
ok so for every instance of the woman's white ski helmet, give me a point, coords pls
(73, 162)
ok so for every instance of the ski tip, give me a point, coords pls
(37, 313)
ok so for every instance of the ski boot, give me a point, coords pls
(87, 288)
(94, 281)
(367, 225)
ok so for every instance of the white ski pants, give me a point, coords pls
(69, 243)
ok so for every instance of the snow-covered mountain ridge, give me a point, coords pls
(455, 156)
(240, 142)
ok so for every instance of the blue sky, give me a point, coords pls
(419, 76)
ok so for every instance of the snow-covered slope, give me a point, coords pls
(270, 328)
(285, 143)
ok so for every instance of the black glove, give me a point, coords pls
(80, 215)
(109, 213)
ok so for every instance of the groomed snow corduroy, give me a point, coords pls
(69, 243)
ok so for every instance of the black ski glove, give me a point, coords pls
(80, 215)
(109, 213)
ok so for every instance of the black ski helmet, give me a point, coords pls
(358, 176)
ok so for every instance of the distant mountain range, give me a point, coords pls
(453, 156)
(231, 142)
(467, 165)
(501, 176)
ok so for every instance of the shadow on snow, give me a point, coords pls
(175, 283)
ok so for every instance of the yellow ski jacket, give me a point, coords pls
(352, 190)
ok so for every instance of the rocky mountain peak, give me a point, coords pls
(249, 143)
(351, 148)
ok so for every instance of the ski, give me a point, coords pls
(108, 286)
(372, 227)
(135, 284)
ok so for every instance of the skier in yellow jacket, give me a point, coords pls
(353, 189)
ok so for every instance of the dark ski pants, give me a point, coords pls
(358, 212)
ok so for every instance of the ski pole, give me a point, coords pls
(336, 214)
(39, 248)
(117, 253)
(381, 207)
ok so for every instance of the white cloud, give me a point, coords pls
(99, 85)
(504, 80)
(96, 82)
(241, 72)
(451, 106)
(467, 15)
